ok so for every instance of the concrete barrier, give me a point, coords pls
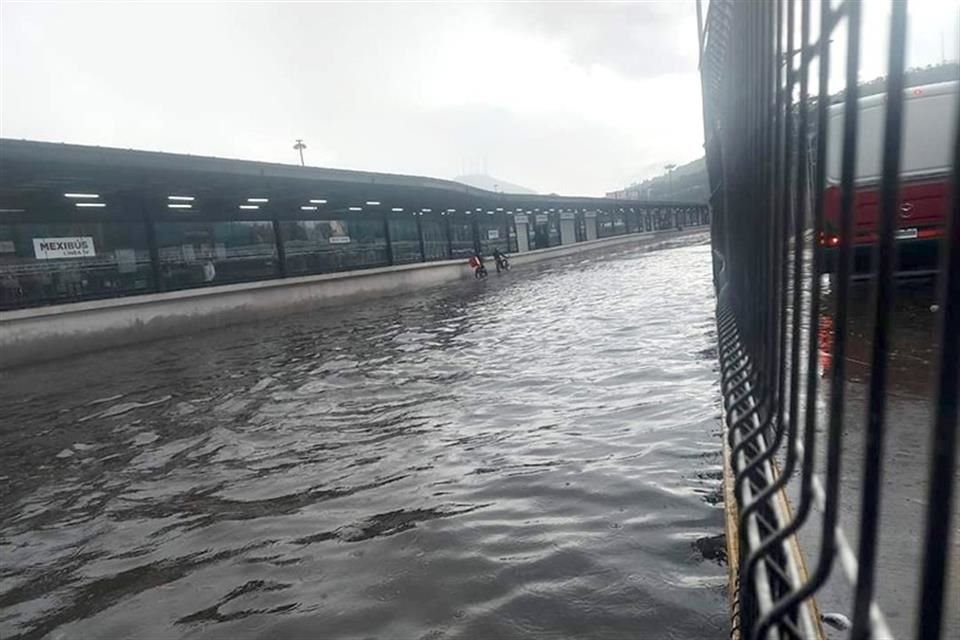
(31, 335)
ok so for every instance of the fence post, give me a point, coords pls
(281, 251)
(449, 233)
(386, 234)
(154, 250)
(423, 251)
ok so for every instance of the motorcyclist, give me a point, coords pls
(476, 263)
(500, 259)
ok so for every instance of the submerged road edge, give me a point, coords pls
(48, 333)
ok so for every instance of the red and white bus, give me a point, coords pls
(929, 119)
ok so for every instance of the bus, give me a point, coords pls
(928, 122)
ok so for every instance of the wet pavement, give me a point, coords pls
(910, 400)
(531, 456)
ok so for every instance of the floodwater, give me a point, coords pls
(531, 456)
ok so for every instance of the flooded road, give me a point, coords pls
(911, 395)
(531, 456)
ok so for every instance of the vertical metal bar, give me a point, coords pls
(883, 309)
(281, 250)
(837, 381)
(943, 450)
(423, 251)
(151, 232)
(700, 36)
(449, 233)
(386, 235)
(475, 228)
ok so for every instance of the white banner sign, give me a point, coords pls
(542, 217)
(339, 239)
(50, 248)
(493, 234)
(568, 215)
(521, 219)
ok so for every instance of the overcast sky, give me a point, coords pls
(571, 98)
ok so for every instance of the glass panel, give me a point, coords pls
(461, 233)
(51, 263)
(619, 223)
(493, 231)
(197, 254)
(539, 231)
(404, 239)
(604, 225)
(553, 230)
(434, 239)
(323, 246)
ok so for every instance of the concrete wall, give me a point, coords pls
(30, 335)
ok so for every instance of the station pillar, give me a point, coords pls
(591, 220)
(568, 228)
(523, 238)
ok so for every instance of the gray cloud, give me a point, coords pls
(410, 88)
(641, 39)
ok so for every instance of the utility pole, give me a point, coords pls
(670, 167)
(300, 146)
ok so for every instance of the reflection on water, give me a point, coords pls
(529, 456)
(910, 396)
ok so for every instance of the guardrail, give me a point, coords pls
(759, 116)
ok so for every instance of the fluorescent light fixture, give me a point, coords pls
(249, 206)
(308, 207)
(479, 208)
(318, 201)
(82, 195)
(451, 210)
(179, 206)
(427, 210)
(356, 208)
(91, 204)
(397, 209)
(373, 203)
(489, 213)
(499, 208)
(181, 198)
(258, 199)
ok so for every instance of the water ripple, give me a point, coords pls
(531, 456)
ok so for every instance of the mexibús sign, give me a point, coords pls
(49, 248)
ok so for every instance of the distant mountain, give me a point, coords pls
(689, 183)
(483, 181)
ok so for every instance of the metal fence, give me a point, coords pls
(766, 140)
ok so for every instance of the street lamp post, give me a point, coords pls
(300, 146)
(670, 167)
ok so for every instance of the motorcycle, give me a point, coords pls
(503, 264)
